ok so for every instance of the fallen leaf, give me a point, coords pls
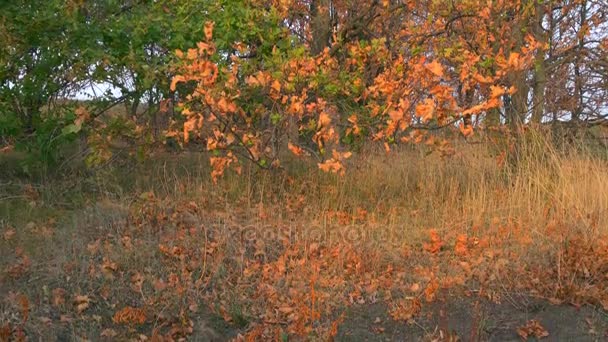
(109, 333)
(65, 319)
(45, 320)
(460, 248)
(431, 290)
(82, 303)
(58, 297)
(532, 329)
(9, 234)
(129, 315)
(435, 244)
(5, 332)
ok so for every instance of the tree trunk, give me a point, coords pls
(579, 92)
(320, 12)
(540, 72)
(517, 107)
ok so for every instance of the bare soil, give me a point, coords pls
(457, 317)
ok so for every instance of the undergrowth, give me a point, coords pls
(156, 250)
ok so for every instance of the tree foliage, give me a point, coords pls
(253, 78)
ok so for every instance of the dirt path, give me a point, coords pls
(458, 318)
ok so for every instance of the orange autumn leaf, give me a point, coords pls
(276, 86)
(298, 151)
(515, 61)
(466, 130)
(331, 165)
(436, 68)
(176, 79)
(204, 48)
(208, 30)
(461, 248)
(335, 165)
(324, 120)
(405, 310)
(532, 328)
(226, 106)
(435, 243)
(396, 115)
(497, 91)
(482, 79)
(129, 315)
(430, 292)
(426, 110)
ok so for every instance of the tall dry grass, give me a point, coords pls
(401, 195)
(382, 207)
(412, 188)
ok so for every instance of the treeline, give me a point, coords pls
(251, 78)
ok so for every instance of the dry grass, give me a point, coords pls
(162, 237)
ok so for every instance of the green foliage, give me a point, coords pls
(52, 50)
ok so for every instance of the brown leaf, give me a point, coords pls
(45, 320)
(65, 319)
(58, 297)
(25, 307)
(9, 234)
(405, 310)
(82, 303)
(109, 333)
(108, 267)
(5, 332)
(137, 281)
(93, 247)
(532, 329)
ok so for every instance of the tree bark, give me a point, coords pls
(320, 12)
(540, 70)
